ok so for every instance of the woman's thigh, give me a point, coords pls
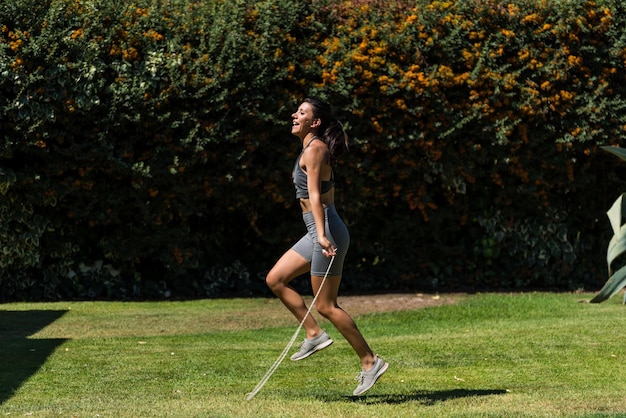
(287, 268)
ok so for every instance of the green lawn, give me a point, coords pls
(489, 355)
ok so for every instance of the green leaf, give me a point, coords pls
(617, 247)
(615, 283)
(620, 152)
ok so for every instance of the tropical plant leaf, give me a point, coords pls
(617, 247)
(620, 152)
(615, 283)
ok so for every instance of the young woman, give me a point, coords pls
(323, 139)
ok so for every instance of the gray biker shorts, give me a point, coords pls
(310, 249)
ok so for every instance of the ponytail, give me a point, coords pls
(331, 129)
(336, 139)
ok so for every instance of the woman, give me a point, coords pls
(323, 139)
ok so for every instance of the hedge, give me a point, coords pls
(146, 151)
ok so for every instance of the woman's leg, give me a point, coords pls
(326, 305)
(287, 268)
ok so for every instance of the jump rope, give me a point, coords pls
(282, 356)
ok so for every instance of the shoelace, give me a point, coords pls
(301, 344)
(360, 376)
(304, 342)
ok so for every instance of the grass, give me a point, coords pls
(489, 355)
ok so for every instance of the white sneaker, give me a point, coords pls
(368, 378)
(313, 345)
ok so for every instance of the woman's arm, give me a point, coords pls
(314, 159)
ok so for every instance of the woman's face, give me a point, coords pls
(303, 121)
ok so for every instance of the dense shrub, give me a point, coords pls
(486, 112)
(145, 149)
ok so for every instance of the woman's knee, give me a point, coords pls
(274, 280)
(271, 280)
(327, 310)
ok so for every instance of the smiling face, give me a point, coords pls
(303, 121)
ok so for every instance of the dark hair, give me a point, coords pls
(330, 130)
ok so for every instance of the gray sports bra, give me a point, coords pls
(300, 180)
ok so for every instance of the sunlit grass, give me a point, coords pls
(490, 355)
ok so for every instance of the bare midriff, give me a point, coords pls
(327, 198)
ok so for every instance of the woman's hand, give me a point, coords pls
(328, 249)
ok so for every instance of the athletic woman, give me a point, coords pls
(323, 139)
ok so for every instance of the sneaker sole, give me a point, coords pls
(378, 374)
(314, 350)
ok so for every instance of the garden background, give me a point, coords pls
(145, 150)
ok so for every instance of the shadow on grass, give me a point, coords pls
(424, 397)
(21, 356)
